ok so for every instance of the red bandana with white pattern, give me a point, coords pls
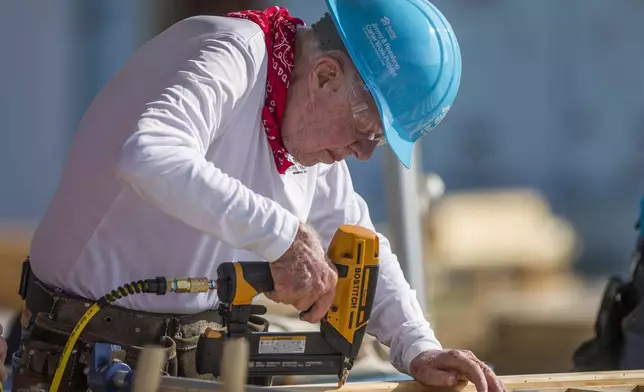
(279, 31)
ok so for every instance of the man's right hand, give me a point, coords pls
(304, 276)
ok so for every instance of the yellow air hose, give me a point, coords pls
(159, 286)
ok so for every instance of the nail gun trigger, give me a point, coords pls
(343, 270)
(258, 310)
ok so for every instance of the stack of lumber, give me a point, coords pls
(501, 283)
(500, 229)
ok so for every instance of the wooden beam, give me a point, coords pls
(148, 370)
(234, 371)
(571, 380)
(399, 386)
(559, 381)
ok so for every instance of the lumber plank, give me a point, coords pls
(234, 371)
(571, 380)
(535, 382)
(149, 369)
(618, 388)
(398, 386)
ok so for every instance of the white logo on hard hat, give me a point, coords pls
(441, 116)
(386, 22)
(382, 47)
(433, 123)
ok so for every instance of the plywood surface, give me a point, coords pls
(626, 381)
(403, 386)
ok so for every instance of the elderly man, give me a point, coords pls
(224, 138)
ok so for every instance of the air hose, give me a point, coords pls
(159, 286)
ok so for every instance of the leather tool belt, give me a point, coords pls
(51, 314)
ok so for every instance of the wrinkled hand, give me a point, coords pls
(304, 276)
(3, 356)
(446, 368)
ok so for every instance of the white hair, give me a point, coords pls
(312, 45)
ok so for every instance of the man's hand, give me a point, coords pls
(304, 277)
(446, 368)
(3, 357)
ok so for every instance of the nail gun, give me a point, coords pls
(332, 350)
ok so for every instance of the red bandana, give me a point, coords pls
(279, 29)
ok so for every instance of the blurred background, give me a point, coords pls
(529, 189)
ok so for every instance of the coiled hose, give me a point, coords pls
(159, 286)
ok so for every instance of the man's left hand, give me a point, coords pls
(446, 368)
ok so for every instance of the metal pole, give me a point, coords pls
(404, 220)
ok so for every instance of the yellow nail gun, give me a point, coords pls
(333, 349)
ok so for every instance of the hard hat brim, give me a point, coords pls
(402, 148)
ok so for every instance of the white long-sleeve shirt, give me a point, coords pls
(170, 173)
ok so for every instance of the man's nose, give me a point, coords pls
(363, 150)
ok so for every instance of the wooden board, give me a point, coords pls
(14, 248)
(622, 381)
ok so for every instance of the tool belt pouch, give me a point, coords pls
(204, 358)
(185, 362)
(41, 353)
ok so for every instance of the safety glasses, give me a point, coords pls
(368, 124)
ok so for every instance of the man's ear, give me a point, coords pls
(326, 74)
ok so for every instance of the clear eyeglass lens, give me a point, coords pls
(367, 120)
(368, 126)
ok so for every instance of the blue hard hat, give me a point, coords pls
(408, 56)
